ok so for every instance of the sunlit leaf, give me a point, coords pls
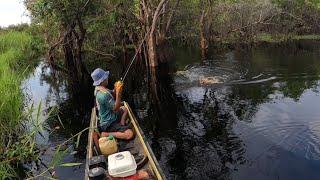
(73, 152)
(61, 122)
(70, 164)
(78, 140)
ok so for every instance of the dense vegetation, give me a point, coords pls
(16, 145)
(75, 26)
(71, 28)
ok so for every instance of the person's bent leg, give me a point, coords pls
(126, 135)
(124, 115)
(129, 134)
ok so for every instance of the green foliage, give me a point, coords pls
(307, 37)
(13, 48)
(62, 150)
(114, 23)
(16, 49)
(265, 37)
(60, 10)
(298, 17)
(282, 37)
(298, 3)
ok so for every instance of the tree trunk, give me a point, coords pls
(152, 51)
(154, 85)
(203, 36)
(151, 33)
(82, 69)
(72, 48)
(163, 48)
(68, 54)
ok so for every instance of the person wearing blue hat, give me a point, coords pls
(112, 115)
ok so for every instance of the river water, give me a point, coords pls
(259, 119)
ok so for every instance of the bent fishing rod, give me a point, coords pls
(134, 57)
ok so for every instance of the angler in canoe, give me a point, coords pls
(112, 115)
(113, 121)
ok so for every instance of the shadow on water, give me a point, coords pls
(259, 122)
(53, 90)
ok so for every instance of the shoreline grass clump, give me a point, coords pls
(277, 38)
(16, 146)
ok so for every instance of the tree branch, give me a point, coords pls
(171, 16)
(156, 15)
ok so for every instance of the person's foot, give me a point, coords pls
(145, 174)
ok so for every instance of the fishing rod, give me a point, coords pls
(134, 57)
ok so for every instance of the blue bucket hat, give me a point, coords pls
(99, 75)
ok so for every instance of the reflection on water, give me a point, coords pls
(261, 122)
(52, 89)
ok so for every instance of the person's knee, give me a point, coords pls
(125, 110)
(128, 134)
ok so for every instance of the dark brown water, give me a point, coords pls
(261, 121)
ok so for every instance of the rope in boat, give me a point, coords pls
(134, 57)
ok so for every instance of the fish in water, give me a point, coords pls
(196, 76)
(209, 80)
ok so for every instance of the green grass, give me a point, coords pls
(307, 37)
(18, 128)
(16, 146)
(13, 48)
(265, 38)
(281, 37)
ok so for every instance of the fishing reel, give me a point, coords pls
(118, 86)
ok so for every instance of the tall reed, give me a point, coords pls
(16, 145)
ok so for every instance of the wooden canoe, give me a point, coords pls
(139, 143)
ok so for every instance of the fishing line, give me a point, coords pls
(134, 57)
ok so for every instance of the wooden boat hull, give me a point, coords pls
(139, 142)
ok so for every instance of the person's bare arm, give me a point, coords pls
(117, 104)
(114, 93)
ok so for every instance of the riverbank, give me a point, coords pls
(228, 43)
(282, 38)
(16, 50)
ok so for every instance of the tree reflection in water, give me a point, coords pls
(226, 131)
(200, 131)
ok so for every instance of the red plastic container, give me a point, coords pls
(133, 177)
